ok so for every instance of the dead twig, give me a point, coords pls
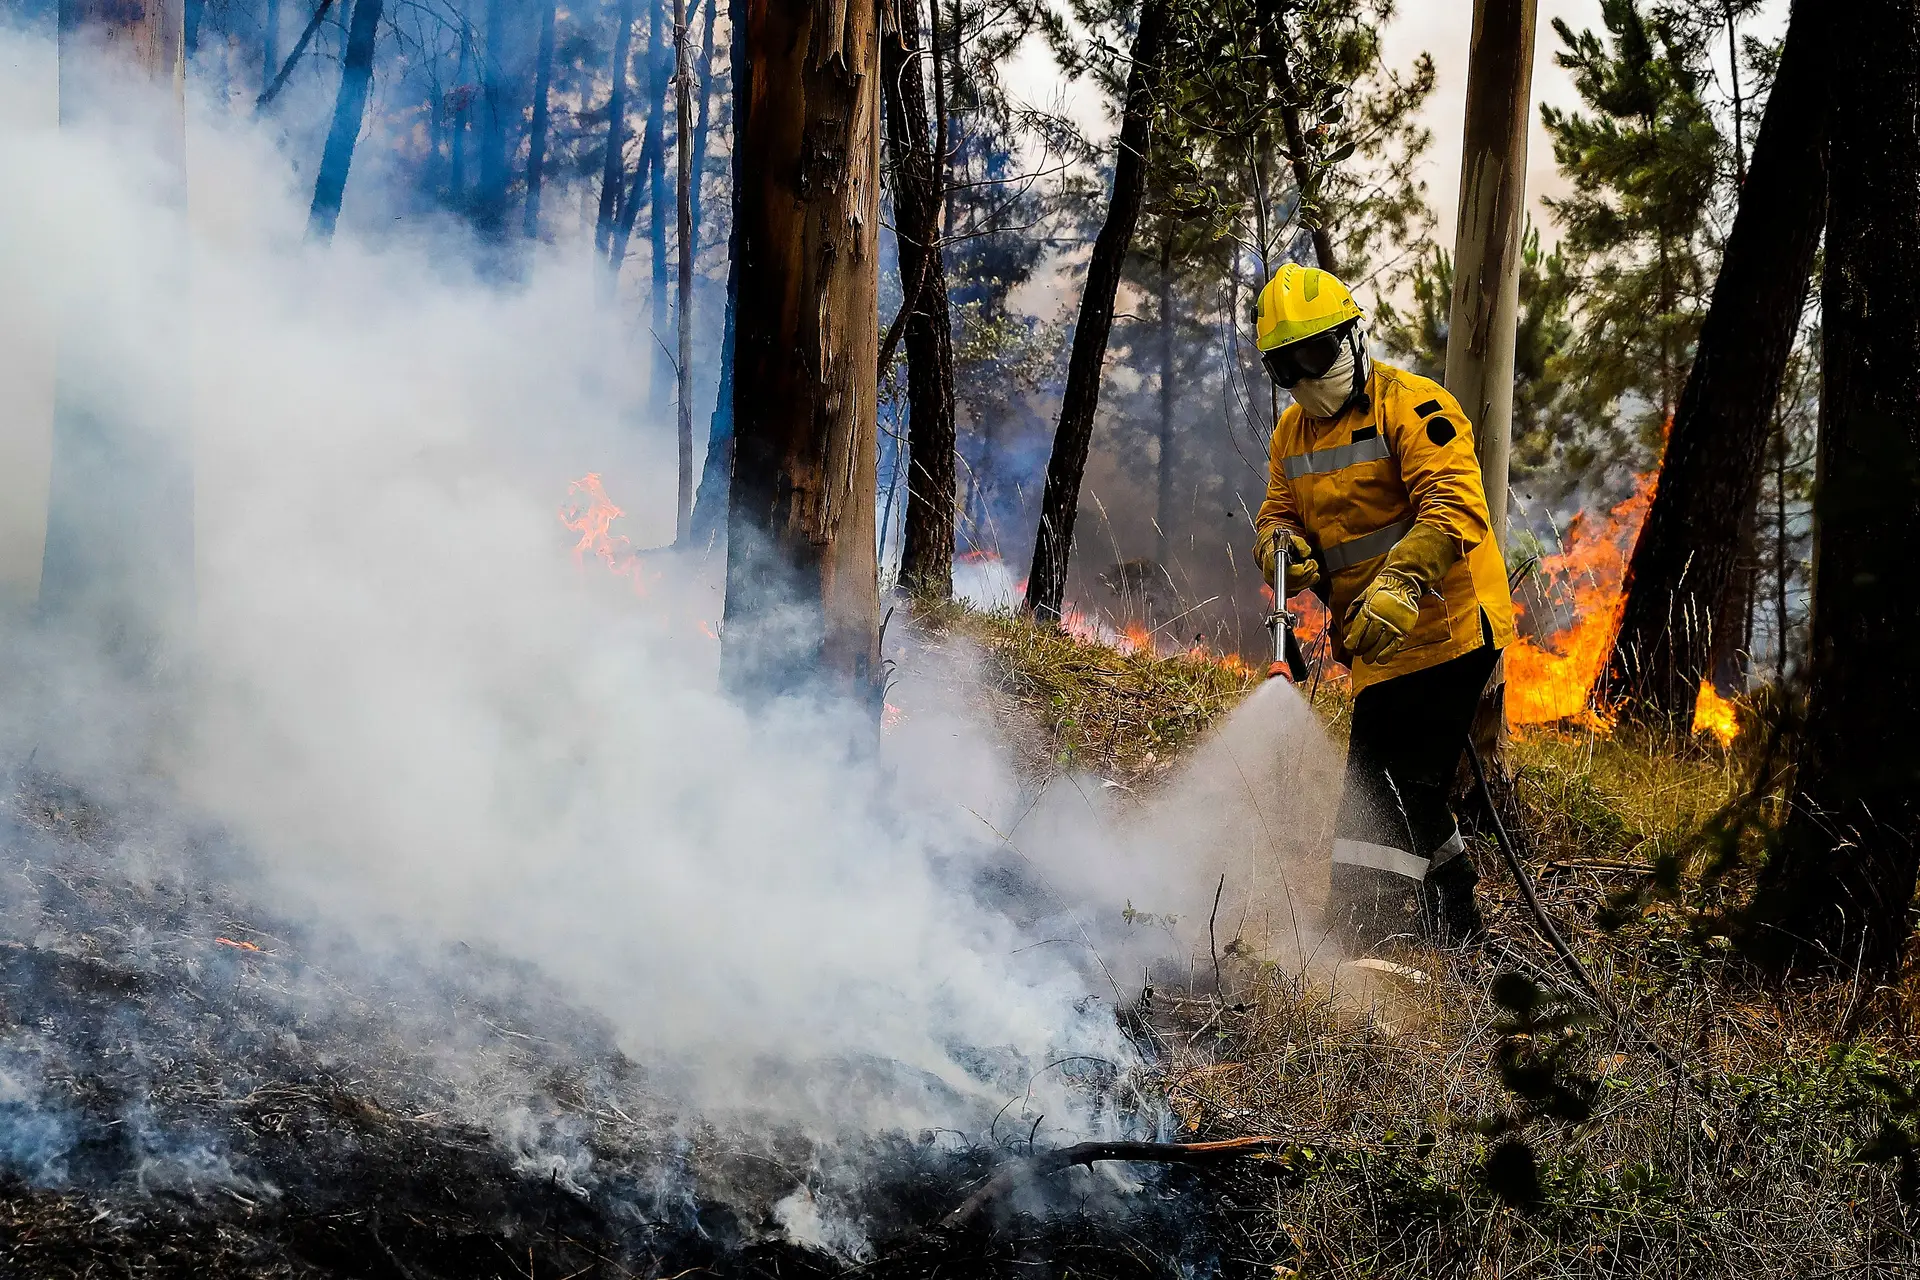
(1015, 1172)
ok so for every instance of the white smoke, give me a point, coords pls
(424, 717)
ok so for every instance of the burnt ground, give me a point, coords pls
(190, 1088)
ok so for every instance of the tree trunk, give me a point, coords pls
(629, 209)
(1837, 893)
(269, 43)
(1782, 559)
(1483, 314)
(537, 136)
(1732, 622)
(1053, 543)
(613, 165)
(1486, 246)
(659, 201)
(350, 109)
(1273, 51)
(1163, 491)
(683, 155)
(702, 129)
(117, 570)
(1689, 548)
(802, 580)
(462, 117)
(926, 556)
(716, 472)
(490, 201)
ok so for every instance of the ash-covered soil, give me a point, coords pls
(189, 1087)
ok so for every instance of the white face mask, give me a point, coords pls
(1326, 395)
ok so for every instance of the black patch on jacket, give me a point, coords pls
(1439, 430)
(1431, 406)
(1365, 433)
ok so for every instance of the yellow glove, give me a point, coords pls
(1383, 615)
(1303, 571)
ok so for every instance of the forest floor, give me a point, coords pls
(190, 1088)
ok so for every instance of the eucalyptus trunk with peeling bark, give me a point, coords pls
(1060, 500)
(1837, 893)
(802, 592)
(1483, 313)
(926, 557)
(1693, 543)
(117, 571)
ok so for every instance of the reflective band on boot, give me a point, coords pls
(1450, 848)
(1380, 857)
(1344, 555)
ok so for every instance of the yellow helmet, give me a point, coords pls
(1300, 302)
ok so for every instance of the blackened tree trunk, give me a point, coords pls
(1273, 52)
(117, 571)
(1163, 490)
(1059, 502)
(1837, 893)
(537, 131)
(1689, 548)
(683, 156)
(926, 557)
(802, 581)
(490, 199)
(613, 166)
(349, 110)
(716, 472)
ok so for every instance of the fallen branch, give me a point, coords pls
(1086, 1153)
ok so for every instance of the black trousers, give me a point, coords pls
(1395, 828)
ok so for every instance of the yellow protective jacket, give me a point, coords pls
(1353, 485)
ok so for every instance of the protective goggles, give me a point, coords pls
(1307, 358)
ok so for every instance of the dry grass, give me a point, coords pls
(1072, 705)
(1745, 1161)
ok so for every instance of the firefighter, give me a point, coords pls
(1375, 488)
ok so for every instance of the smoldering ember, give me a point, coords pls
(1202, 638)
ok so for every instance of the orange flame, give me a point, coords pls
(1713, 714)
(589, 512)
(1551, 678)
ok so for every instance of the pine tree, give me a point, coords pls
(1643, 160)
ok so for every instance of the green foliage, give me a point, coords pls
(1546, 440)
(1541, 1042)
(1643, 159)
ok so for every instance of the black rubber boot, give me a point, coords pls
(1449, 914)
(1366, 908)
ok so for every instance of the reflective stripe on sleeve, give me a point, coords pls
(1344, 555)
(1450, 848)
(1338, 458)
(1380, 857)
